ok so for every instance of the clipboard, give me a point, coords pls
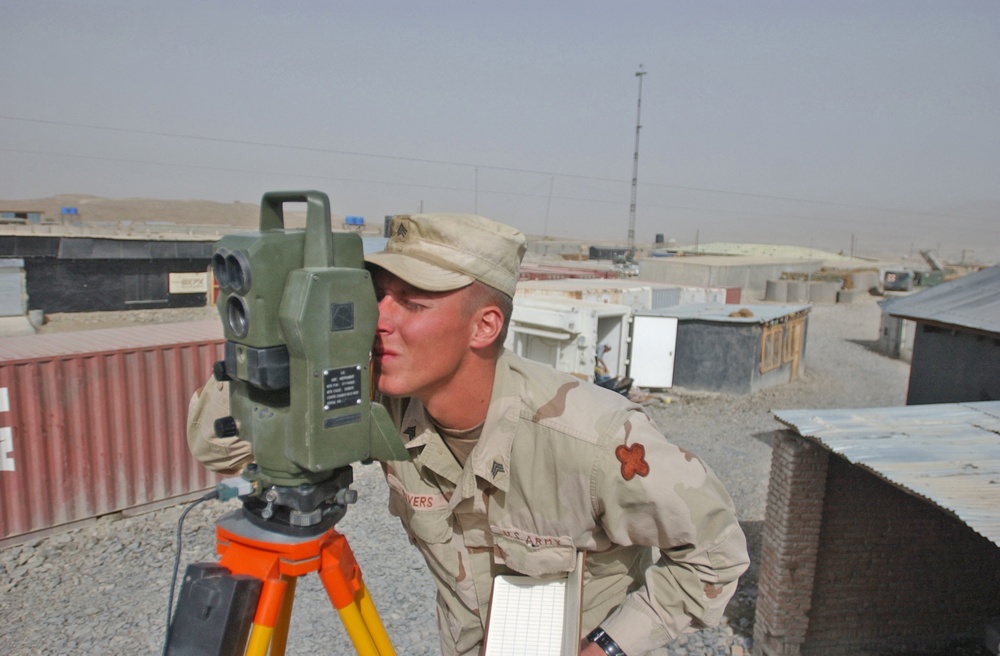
(535, 617)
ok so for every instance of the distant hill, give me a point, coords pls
(93, 209)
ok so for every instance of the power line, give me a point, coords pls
(203, 167)
(314, 149)
(264, 144)
(496, 192)
(312, 176)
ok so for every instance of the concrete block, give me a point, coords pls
(849, 295)
(776, 290)
(823, 292)
(798, 291)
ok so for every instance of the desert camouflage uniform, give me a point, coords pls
(225, 455)
(563, 466)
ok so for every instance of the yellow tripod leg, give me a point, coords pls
(260, 639)
(279, 640)
(372, 620)
(362, 640)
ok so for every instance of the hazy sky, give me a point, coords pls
(800, 121)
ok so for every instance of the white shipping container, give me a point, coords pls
(640, 295)
(567, 334)
(609, 291)
(702, 295)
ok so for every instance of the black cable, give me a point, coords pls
(214, 494)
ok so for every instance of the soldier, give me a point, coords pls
(515, 467)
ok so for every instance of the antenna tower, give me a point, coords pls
(635, 170)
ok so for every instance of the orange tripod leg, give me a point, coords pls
(271, 599)
(266, 566)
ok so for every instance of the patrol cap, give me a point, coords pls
(441, 252)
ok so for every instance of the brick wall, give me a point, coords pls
(852, 565)
(790, 544)
(895, 571)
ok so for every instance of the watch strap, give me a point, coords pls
(600, 638)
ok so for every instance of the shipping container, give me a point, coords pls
(94, 422)
(616, 292)
(637, 294)
(567, 334)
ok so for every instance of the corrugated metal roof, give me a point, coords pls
(947, 453)
(972, 301)
(729, 313)
(59, 345)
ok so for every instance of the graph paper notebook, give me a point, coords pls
(532, 617)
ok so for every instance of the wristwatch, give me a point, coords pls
(604, 641)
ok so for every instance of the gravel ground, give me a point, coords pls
(104, 587)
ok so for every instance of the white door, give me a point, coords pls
(653, 342)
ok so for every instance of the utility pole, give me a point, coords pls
(548, 206)
(635, 170)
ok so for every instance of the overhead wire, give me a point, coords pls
(403, 158)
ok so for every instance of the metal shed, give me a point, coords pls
(956, 344)
(895, 335)
(882, 532)
(734, 349)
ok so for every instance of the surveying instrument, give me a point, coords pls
(299, 315)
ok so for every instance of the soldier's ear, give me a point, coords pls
(488, 326)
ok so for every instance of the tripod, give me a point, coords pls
(273, 561)
(278, 560)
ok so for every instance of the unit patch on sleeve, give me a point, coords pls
(633, 458)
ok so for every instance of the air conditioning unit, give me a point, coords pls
(567, 334)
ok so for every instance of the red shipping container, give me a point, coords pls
(95, 422)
